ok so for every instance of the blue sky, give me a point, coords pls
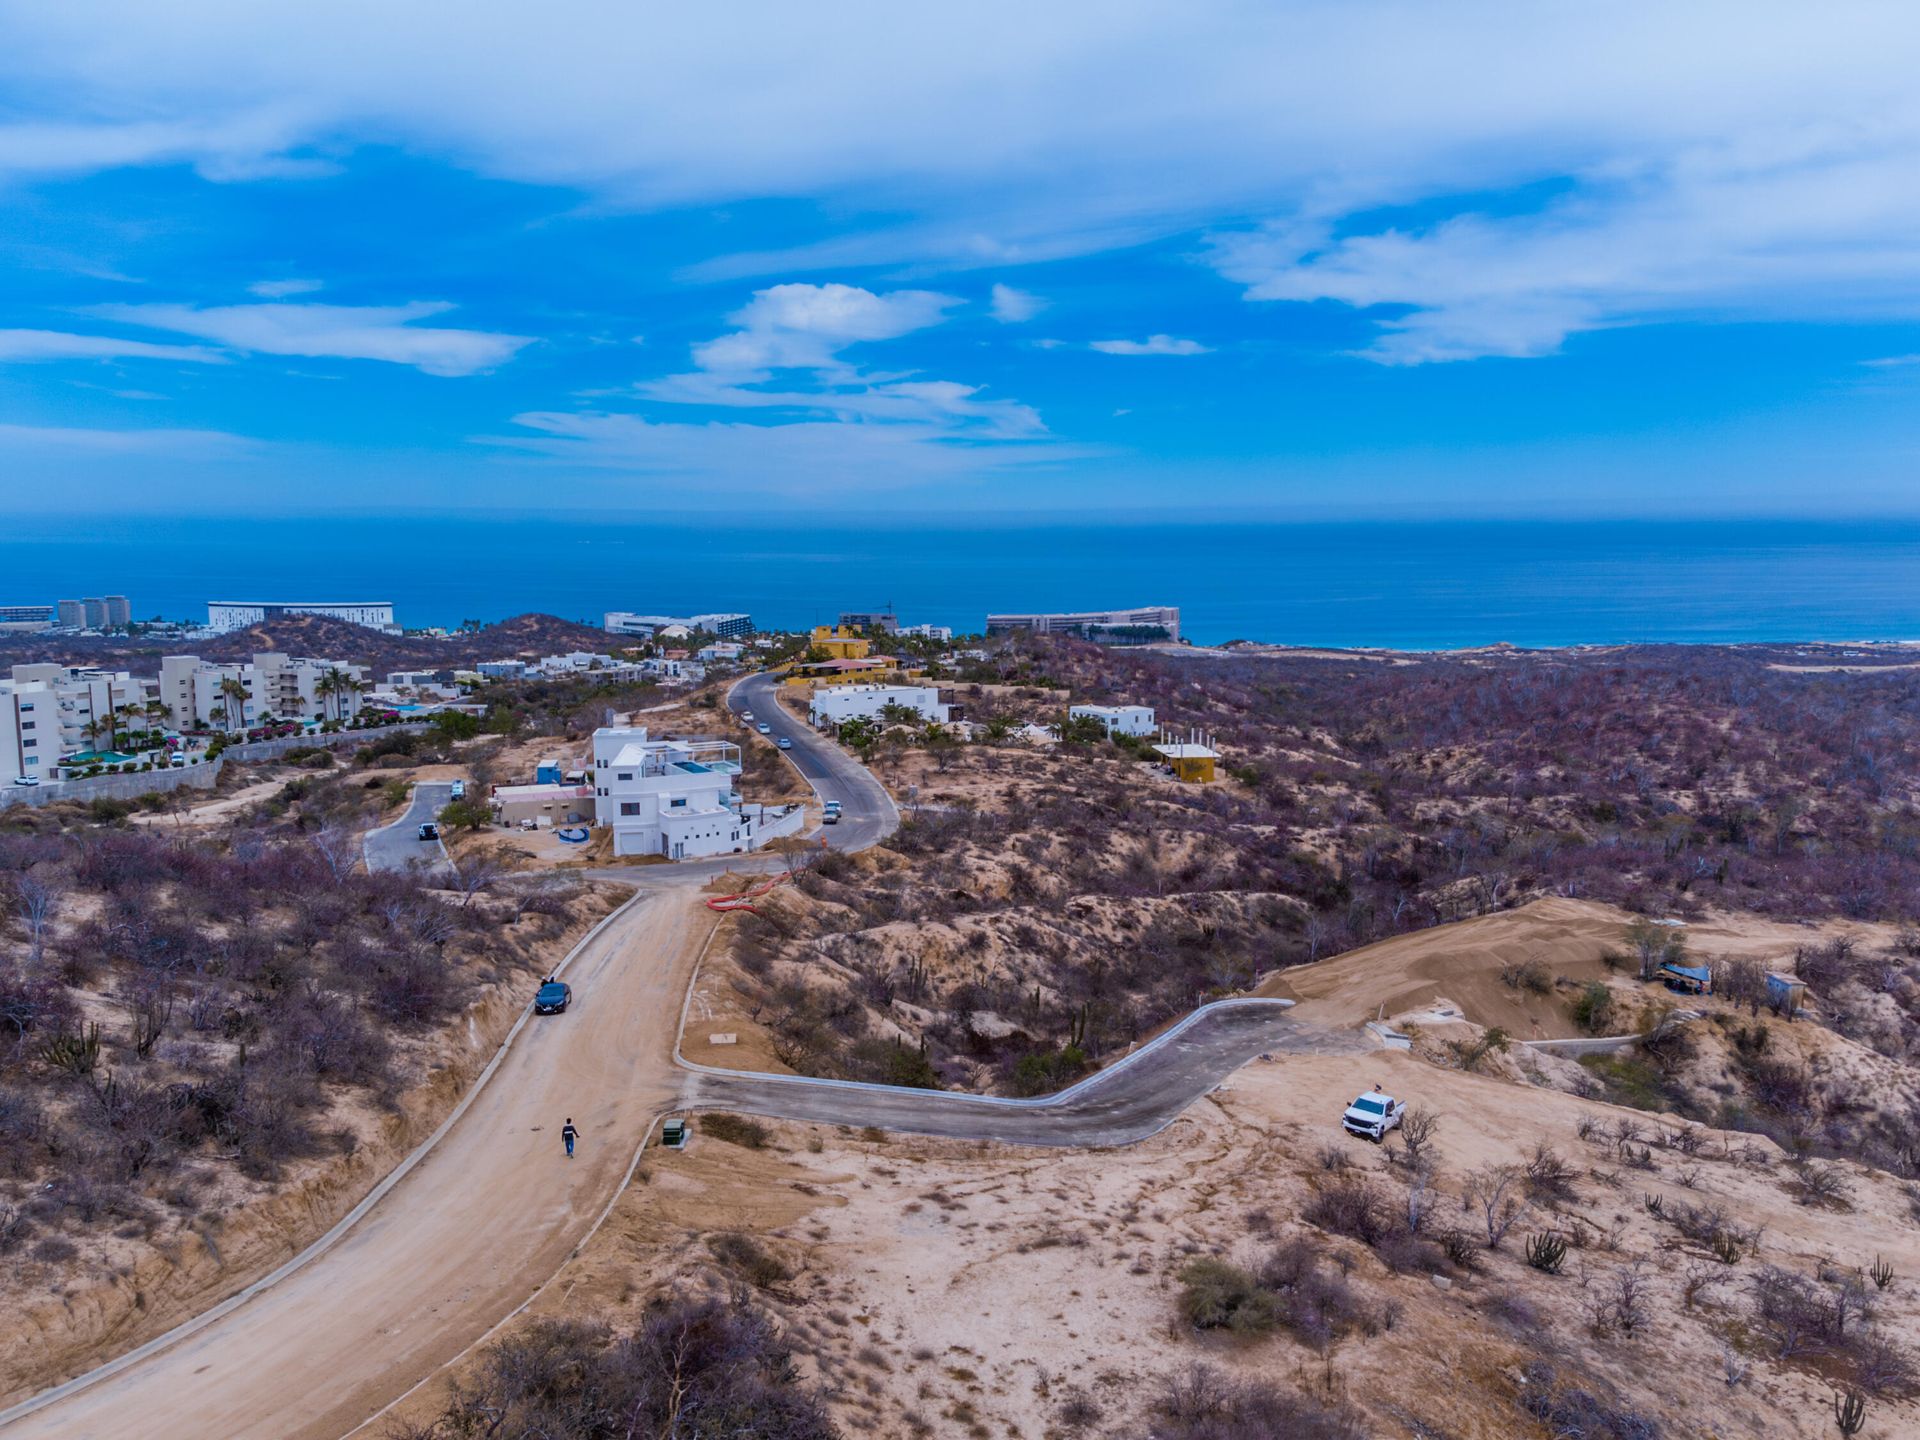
(1313, 259)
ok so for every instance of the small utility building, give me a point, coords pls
(1189, 762)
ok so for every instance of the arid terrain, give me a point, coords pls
(1616, 1209)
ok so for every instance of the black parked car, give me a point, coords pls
(552, 997)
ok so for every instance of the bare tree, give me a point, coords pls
(1495, 1192)
(479, 874)
(36, 902)
(339, 851)
(1417, 1130)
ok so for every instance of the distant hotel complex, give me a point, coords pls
(225, 615)
(729, 626)
(1148, 625)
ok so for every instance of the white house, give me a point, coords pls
(865, 702)
(676, 797)
(1117, 719)
(942, 633)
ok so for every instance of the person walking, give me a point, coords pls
(569, 1134)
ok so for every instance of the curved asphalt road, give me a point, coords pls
(1128, 1101)
(867, 813)
(398, 846)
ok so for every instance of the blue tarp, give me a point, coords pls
(1691, 972)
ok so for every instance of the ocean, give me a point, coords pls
(1404, 585)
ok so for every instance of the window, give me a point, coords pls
(680, 804)
(624, 775)
(29, 743)
(629, 807)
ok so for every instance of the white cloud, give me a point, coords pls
(805, 326)
(808, 459)
(1721, 159)
(75, 441)
(281, 289)
(34, 345)
(1152, 345)
(1011, 306)
(346, 332)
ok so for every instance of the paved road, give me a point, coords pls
(1126, 1102)
(398, 846)
(868, 814)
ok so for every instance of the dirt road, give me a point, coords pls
(465, 1237)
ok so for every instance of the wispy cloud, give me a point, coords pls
(43, 345)
(281, 289)
(1011, 306)
(77, 441)
(347, 332)
(1152, 345)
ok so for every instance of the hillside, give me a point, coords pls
(521, 637)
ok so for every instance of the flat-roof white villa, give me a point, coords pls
(1117, 719)
(841, 703)
(676, 797)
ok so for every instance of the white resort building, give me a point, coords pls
(225, 615)
(676, 797)
(866, 702)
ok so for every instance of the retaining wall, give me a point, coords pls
(194, 777)
(114, 787)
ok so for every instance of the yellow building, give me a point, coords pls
(1192, 763)
(840, 643)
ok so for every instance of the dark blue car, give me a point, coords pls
(552, 998)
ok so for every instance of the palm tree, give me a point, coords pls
(230, 691)
(326, 687)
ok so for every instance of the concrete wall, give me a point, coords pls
(197, 777)
(114, 787)
(347, 739)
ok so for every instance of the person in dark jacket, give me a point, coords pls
(569, 1134)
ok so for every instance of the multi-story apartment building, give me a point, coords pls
(204, 695)
(884, 621)
(93, 612)
(671, 797)
(49, 711)
(29, 730)
(942, 633)
(72, 615)
(1146, 625)
(119, 610)
(225, 615)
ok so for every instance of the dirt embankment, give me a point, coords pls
(945, 1289)
(141, 1290)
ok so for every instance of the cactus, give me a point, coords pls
(1547, 1252)
(1881, 1273)
(1849, 1411)
(1726, 1247)
(76, 1054)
